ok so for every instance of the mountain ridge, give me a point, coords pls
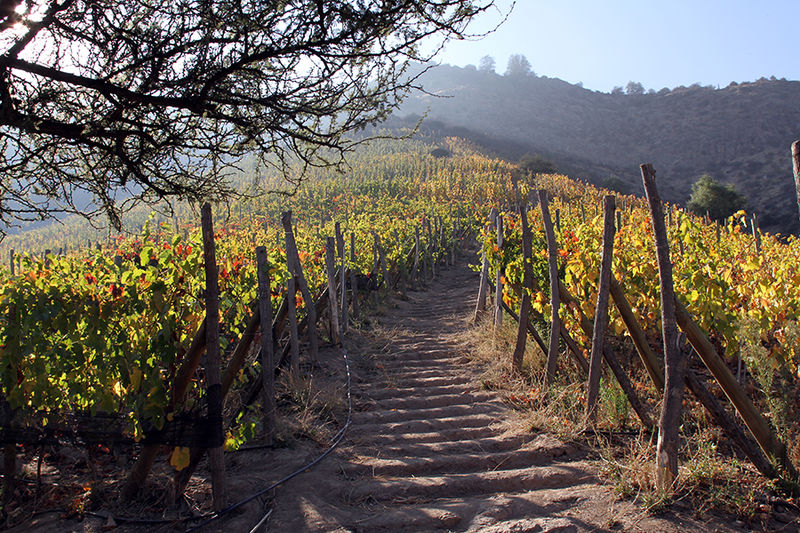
(740, 134)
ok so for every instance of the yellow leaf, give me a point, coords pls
(180, 457)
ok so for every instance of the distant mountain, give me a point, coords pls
(739, 135)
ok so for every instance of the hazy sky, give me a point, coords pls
(660, 44)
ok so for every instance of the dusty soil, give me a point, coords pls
(427, 450)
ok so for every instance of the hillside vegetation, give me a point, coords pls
(739, 134)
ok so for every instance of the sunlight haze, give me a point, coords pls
(607, 44)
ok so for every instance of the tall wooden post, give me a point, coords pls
(498, 282)
(674, 361)
(294, 336)
(483, 288)
(353, 279)
(212, 367)
(268, 405)
(11, 262)
(296, 269)
(527, 287)
(415, 268)
(333, 304)
(552, 261)
(342, 300)
(601, 311)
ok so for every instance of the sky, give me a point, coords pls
(659, 44)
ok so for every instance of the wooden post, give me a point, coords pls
(212, 366)
(796, 168)
(480, 305)
(353, 278)
(601, 311)
(552, 261)
(294, 337)
(498, 283)
(342, 298)
(268, 404)
(674, 362)
(527, 286)
(415, 269)
(382, 262)
(296, 269)
(333, 304)
(11, 262)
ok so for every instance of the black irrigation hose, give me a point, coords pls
(336, 440)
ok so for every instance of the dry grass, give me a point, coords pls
(710, 478)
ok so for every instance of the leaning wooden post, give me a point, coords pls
(552, 261)
(527, 287)
(212, 366)
(674, 361)
(637, 334)
(296, 269)
(601, 311)
(753, 419)
(796, 167)
(484, 283)
(353, 278)
(268, 405)
(498, 282)
(342, 300)
(333, 304)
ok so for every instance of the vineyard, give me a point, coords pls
(102, 344)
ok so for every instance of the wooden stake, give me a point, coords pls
(674, 362)
(333, 305)
(11, 262)
(296, 269)
(342, 298)
(415, 269)
(353, 279)
(552, 262)
(212, 366)
(268, 404)
(480, 305)
(601, 311)
(498, 283)
(525, 309)
(294, 337)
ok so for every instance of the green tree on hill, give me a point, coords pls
(718, 200)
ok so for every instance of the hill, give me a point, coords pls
(740, 134)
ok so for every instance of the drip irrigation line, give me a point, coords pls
(336, 440)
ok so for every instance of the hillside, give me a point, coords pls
(740, 134)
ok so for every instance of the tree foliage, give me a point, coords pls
(133, 101)
(518, 66)
(487, 64)
(634, 87)
(718, 200)
(536, 164)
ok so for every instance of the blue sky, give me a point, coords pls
(660, 44)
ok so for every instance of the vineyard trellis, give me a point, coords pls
(634, 275)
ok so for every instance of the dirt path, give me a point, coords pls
(429, 451)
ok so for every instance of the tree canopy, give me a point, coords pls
(130, 101)
(518, 65)
(718, 200)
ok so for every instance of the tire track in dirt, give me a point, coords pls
(429, 451)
